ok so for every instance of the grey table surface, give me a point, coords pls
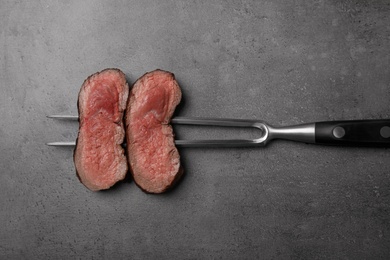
(285, 62)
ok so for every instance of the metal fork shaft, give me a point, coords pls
(300, 133)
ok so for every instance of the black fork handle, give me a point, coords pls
(353, 132)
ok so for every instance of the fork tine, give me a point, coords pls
(191, 143)
(201, 121)
(64, 117)
(61, 144)
(189, 121)
(225, 122)
(228, 122)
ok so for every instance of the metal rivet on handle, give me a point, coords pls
(338, 132)
(385, 132)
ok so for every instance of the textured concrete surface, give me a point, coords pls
(285, 62)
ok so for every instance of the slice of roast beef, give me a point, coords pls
(99, 157)
(153, 158)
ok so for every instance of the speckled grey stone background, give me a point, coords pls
(286, 62)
